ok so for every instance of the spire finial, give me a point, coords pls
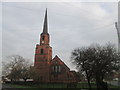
(45, 27)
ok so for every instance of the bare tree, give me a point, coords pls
(16, 68)
(79, 57)
(97, 62)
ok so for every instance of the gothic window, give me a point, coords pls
(53, 68)
(42, 51)
(43, 37)
(59, 68)
(56, 68)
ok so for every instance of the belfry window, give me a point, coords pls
(43, 37)
(41, 51)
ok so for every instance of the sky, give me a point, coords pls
(70, 25)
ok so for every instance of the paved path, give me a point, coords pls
(6, 87)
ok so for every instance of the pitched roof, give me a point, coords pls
(59, 60)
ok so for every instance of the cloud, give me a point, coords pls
(71, 25)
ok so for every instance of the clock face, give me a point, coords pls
(42, 41)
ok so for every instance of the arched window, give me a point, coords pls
(56, 68)
(53, 68)
(43, 37)
(41, 51)
(59, 68)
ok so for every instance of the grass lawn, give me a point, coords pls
(36, 86)
(39, 86)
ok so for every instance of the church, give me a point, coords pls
(50, 70)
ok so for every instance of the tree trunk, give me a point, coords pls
(25, 79)
(12, 81)
(100, 84)
(88, 80)
(89, 85)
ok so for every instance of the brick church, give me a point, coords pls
(50, 70)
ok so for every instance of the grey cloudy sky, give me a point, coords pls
(71, 25)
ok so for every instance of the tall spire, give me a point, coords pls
(45, 27)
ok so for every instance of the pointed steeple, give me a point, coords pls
(45, 27)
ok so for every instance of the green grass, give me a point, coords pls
(39, 86)
(85, 85)
(35, 86)
(112, 86)
(20, 86)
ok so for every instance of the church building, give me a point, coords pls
(50, 70)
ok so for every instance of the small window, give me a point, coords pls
(43, 37)
(42, 51)
(56, 62)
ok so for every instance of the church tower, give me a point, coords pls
(43, 53)
(48, 70)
